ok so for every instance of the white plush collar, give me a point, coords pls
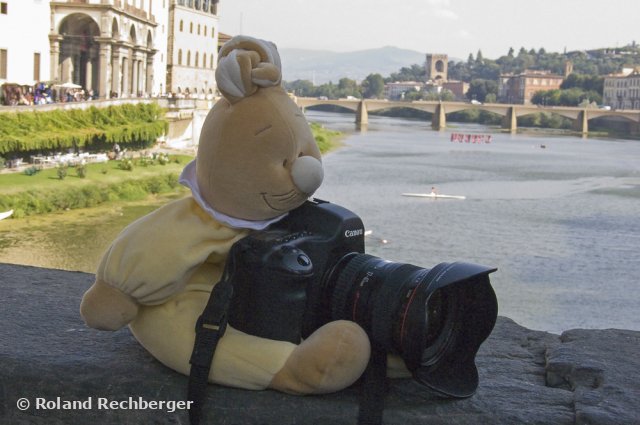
(188, 178)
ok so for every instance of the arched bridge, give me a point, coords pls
(510, 112)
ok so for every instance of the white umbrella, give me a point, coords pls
(69, 85)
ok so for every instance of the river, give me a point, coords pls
(557, 215)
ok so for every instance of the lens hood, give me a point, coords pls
(446, 365)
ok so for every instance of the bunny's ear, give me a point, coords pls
(245, 64)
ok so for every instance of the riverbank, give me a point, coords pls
(76, 239)
(67, 224)
(43, 191)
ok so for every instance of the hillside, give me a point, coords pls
(321, 66)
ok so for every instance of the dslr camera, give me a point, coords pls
(310, 268)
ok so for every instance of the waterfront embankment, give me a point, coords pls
(526, 376)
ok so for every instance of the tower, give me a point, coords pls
(568, 68)
(436, 67)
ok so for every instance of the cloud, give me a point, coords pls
(446, 14)
(442, 9)
(464, 34)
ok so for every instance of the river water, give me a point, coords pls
(561, 223)
(559, 216)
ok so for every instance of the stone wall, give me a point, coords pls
(526, 376)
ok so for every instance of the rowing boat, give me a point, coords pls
(5, 214)
(434, 195)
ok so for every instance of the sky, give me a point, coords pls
(453, 27)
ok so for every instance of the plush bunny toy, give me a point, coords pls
(257, 160)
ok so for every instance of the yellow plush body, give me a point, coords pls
(257, 160)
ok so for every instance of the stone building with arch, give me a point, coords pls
(437, 68)
(113, 48)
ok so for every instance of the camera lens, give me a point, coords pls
(435, 319)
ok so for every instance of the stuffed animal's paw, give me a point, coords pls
(331, 359)
(107, 308)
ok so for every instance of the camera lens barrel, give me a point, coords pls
(434, 319)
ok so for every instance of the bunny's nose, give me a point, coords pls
(307, 174)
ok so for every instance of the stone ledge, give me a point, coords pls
(526, 377)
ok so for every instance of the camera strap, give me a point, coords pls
(374, 387)
(210, 327)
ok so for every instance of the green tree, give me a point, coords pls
(479, 89)
(490, 98)
(300, 87)
(413, 73)
(373, 86)
(348, 87)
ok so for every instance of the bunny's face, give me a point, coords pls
(257, 158)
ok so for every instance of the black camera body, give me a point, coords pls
(310, 268)
(278, 281)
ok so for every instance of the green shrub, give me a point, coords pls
(32, 171)
(163, 159)
(126, 164)
(41, 202)
(131, 190)
(81, 170)
(61, 170)
(157, 184)
(131, 126)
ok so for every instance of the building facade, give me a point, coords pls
(112, 48)
(458, 88)
(520, 88)
(192, 46)
(622, 91)
(398, 89)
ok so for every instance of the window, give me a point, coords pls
(198, 29)
(213, 32)
(181, 26)
(204, 60)
(180, 57)
(211, 63)
(3, 7)
(36, 66)
(196, 64)
(205, 30)
(3, 63)
(191, 27)
(188, 57)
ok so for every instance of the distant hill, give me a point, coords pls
(321, 66)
